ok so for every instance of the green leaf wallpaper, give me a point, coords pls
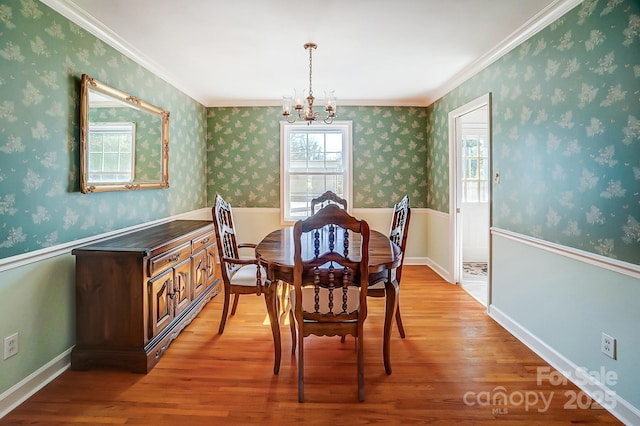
(566, 132)
(566, 137)
(42, 58)
(389, 155)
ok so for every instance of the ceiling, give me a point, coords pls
(371, 52)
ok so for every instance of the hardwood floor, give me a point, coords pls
(453, 367)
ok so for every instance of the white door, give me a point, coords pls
(470, 171)
(473, 181)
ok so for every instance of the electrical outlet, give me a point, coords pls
(608, 346)
(10, 345)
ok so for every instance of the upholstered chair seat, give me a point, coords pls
(246, 275)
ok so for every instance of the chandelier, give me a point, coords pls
(305, 112)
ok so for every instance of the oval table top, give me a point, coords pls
(275, 252)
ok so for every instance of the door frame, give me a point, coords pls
(455, 250)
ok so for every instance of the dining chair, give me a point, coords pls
(329, 197)
(329, 296)
(240, 275)
(397, 234)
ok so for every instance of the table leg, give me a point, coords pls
(391, 306)
(271, 300)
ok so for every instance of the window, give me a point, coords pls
(111, 148)
(475, 168)
(314, 159)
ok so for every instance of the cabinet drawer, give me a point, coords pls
(203, 241)
(168, 260)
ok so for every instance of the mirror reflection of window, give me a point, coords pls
(124, 140)
(112, 152)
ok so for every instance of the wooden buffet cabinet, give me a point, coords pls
(136, 292)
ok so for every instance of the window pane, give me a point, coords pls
(472, 148)
(110, 143)
(125, 162)
(95, 161)
(110, 162)
(316, 147)
(334, 142)
(484, 191)
(484, 168)
(484, 149)
(299, 195)
(298, 147)
(318, 184)
(336, 184)
(471, 192)
(334, 162)
(95, 142)
(472, 169)
(125, 143)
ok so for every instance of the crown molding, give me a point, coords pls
(552, 12)
(530, 28)
(79, 17)
(341, 103)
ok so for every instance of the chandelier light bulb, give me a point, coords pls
(299, 98)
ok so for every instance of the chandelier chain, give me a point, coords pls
(310, 71)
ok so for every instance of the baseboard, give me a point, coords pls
(415, 261)
(444, 274)
(619, 407)
(31, 384)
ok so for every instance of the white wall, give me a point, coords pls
(439, 243)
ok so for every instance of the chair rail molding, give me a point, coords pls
(65, 249)
(604, 262)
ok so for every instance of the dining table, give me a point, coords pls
(276, 254)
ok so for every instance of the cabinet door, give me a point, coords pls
(213, 267)
(160, 290)
(199, 276)
(181, 286)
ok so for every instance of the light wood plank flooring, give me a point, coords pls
(453, 363)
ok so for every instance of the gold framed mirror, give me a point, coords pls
(124, 141)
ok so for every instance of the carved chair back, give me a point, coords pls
(225, 234)
(325, 199)
(399, 227)
(330, 283)
(398, 234)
